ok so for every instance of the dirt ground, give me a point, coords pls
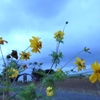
(79, 85)
(76, 85)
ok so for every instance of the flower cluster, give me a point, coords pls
(49, 91)
(13, 73)
(58, 69)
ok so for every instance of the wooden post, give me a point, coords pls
(25, 78)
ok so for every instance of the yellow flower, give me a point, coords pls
(35, 44)
(96, 75)
(13, 73)
(25, 55)
(2, 41)
(59, 35)
(58, 69)
(59, 73)
(49, 91)
(80, 63)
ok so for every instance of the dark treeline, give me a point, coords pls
(36, 75)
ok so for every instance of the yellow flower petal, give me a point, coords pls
(58, 69)
(50, 93)
(13, 73)
(94, 66)
(25, 55)
(80, 63)
(35, 44)
(2, 41)
(79, 68)
(59, 35)
(93, 78)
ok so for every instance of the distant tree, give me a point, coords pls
(49, 71)
(39, 74)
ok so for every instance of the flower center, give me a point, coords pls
(39, 45)
(25, 56)
(79, 64)
(97, 72)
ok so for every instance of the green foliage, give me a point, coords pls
(41, 72)
(48, 81)
(28, 93)
(56, 57)
(13, 64)
(60, 41)
(59, 76)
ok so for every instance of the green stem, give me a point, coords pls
(2, 56)
(64, 28)
(58, 43)
(71, 59)
(38, 86)
(7, 87)
(3, 96)
(74, 68)
(57, 48)
(26, 48)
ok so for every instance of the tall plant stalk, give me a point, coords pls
(72, 58)
(3, 96)
(57, 48)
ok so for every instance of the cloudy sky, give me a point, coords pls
(22, 19)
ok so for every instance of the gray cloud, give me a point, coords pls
(28, 14)
(22, 19)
